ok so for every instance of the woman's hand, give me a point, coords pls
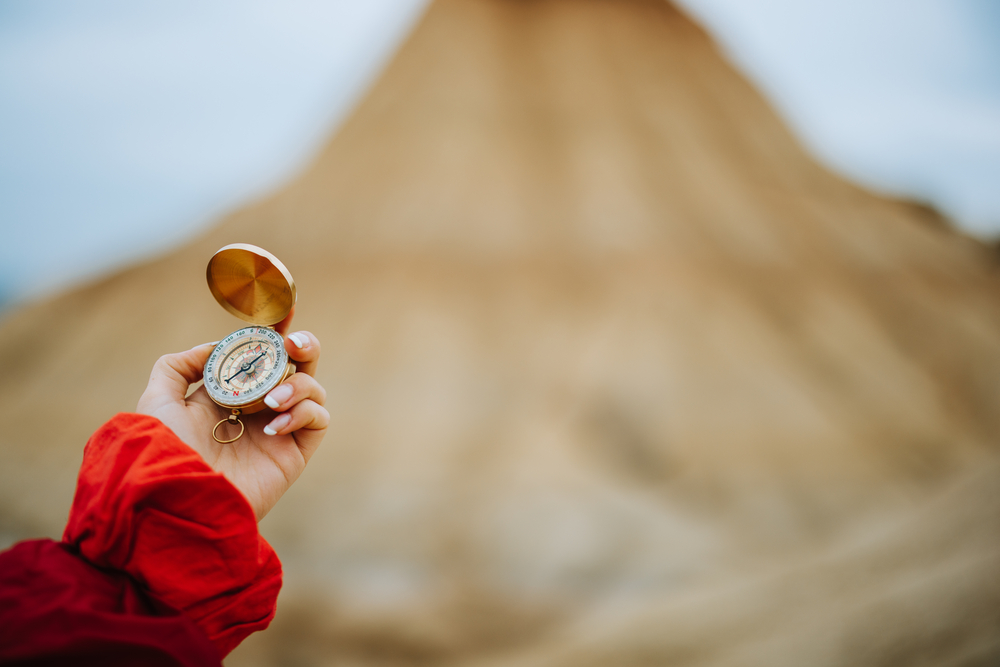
(274, 448)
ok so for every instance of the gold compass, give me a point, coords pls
(246, 365)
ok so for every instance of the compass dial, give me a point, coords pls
(245, 366)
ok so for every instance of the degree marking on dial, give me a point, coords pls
(260, 350)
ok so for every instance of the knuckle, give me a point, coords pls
(163, 362)
(314, 345)
(309, 387)
(312, 415)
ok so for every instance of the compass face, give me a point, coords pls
(244, 366)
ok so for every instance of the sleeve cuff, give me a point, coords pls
(148, 505)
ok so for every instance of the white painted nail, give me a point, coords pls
(278, 423)
(298, 339)
(279, 395)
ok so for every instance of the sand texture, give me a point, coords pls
(618, 374)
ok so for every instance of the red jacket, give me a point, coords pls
(161, 562)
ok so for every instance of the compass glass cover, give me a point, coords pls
(245, 366)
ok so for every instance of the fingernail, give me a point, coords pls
(298, 339)
(278, 395)
(279, 422)
(204, 344)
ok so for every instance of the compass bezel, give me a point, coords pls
(213, 384)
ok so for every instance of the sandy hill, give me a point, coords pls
(618, 374)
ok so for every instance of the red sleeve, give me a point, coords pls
(153, 529)
(58, 609)
(149, 505)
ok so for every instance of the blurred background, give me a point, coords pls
(653, 333)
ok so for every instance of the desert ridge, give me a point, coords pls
(618, 373)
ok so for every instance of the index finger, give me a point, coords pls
(284, 325)
(303, 349)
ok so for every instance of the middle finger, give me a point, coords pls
(295, 389)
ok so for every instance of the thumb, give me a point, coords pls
(172, 375)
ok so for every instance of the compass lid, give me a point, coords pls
(251, 283)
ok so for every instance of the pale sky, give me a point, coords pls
(125, 127)
(900, 95)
